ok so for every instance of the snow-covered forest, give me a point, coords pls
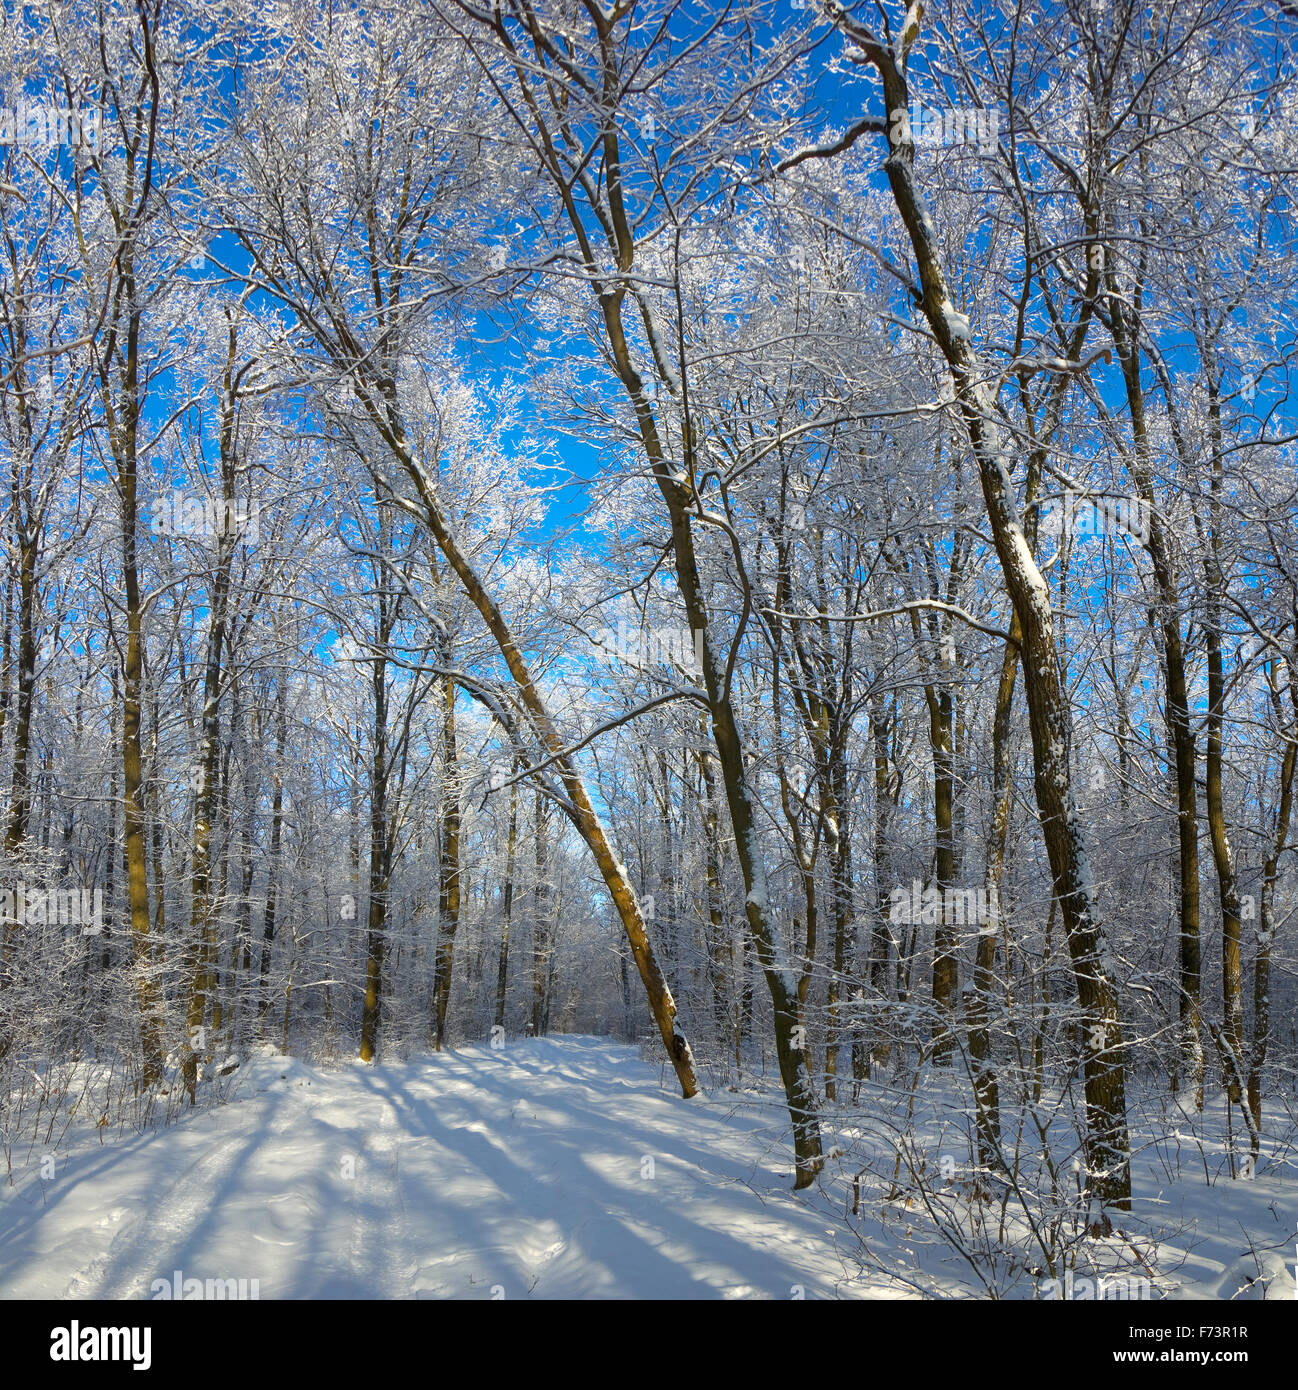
(703, 594)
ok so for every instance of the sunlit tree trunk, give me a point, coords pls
(1049, 716)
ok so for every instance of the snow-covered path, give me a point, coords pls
(554, 1168)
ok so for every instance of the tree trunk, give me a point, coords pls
(372, 1008)
(1266, 916)
(540, 922)
(1177, 714)
(448, 899)
(507, 906)
(202, 945)
(986, 1086)
(1107, 1147)
(580, 811)
(276, 834)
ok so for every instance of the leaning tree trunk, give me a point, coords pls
(1049, 716)
(609, 272)
(763, 923)
(579, 807)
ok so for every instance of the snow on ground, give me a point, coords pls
(523, 1171)
(557, 1168)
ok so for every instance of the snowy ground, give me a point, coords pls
(524, 1171)
(558, 1168)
